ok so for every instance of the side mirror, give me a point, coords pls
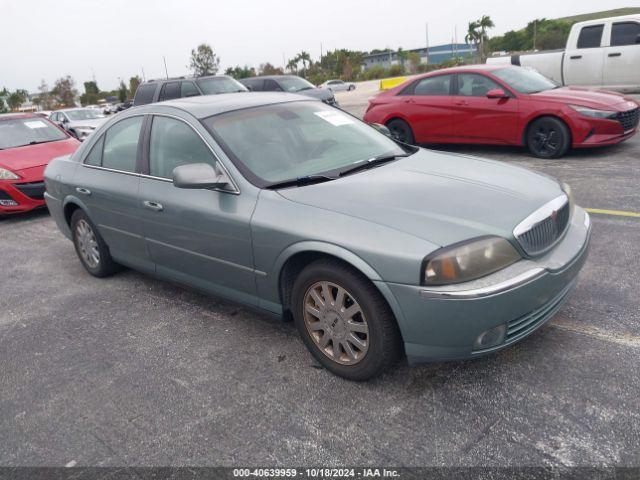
(497, 93)
(382, 129)
(199, 176)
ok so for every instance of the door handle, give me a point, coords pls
(83, 191)
(409, 100)
(576, 57)
(155, 206)
(460, 103)
(615, 54)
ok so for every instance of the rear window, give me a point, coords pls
(590, 37)
(20, 132)
(144, 94)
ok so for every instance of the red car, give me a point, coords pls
(28, 143)
(500, 105)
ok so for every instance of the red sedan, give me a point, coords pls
(499, 105)
(27, 144)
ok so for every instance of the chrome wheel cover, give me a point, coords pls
(336, 323)
(87, 244)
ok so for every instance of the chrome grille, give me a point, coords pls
(542, 229)
(629, 119)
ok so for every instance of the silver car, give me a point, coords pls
(376, 249)
(338, 86)
(79, 122)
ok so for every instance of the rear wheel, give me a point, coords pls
(548, 137)
(344, 321)
(90, 247)
(401, 131)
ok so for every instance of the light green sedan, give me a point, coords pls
(375, 249)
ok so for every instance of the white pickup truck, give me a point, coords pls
(601, 53)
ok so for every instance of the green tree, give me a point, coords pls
(292, 65)
(414, 61)
(204, 61)
(91, 93)
(484, 24)
(122, 92)
(304, 57)
(44, 96)
(133, 85)
(238, 72)
(17, 98)
(64, 92)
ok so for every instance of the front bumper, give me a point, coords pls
(20, 196)
(444, 323)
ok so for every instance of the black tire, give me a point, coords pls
(105, 265)
(384, 345)
(351, 87)
(548, 137)
(401, 131)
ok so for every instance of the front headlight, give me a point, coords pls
(592, 112)
(468, 261)
(8, 175)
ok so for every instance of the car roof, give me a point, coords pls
(73, 109)
(470, 68)
(207, 105)
(10, 116)
(178, 79)
(271, 77)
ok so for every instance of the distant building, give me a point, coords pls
(433, 55)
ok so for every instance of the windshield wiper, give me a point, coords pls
(371, 162)
(300, 181)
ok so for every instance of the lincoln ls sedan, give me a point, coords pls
(376, 249)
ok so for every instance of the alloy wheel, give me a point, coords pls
(546, 139)
(336, 323)
(87, 244)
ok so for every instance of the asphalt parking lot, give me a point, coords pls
(130, 370)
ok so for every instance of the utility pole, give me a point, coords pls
(166, 72)
(144, 79)
(426, 31)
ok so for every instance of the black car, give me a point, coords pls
(290, 84)
(171, 88)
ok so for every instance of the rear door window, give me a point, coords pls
(121, 145)
(144, 94)
(432, 86)
(272, 86)
(169, 91)
(590, 37)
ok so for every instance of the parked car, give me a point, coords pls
(289, 84)
(337, 86)
(600, 53)
(296, 208)
(503, 105)
(28, 142)
(169, 89)
(79, 122)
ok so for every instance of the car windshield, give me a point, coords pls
(294, 84)
(524, 80)
(215, 85)
(27, 131)
(84, 114)
(272, 144)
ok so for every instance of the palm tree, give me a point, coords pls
(292, 66)
(472, 36)
(484, 23)
(304, 57)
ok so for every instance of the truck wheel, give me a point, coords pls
(548, 137)
(344, 321)
(401, 131)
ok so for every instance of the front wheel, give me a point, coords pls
(401, 131)
(90, 247)
(548, 137)
(344, 321)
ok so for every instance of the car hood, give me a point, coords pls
(601, 99)
(30, 156)
(441, 198)
(319, 93)
(93, 123)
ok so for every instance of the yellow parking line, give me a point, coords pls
(615, 213)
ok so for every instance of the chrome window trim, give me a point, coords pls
(500, 287)
(235, 191)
